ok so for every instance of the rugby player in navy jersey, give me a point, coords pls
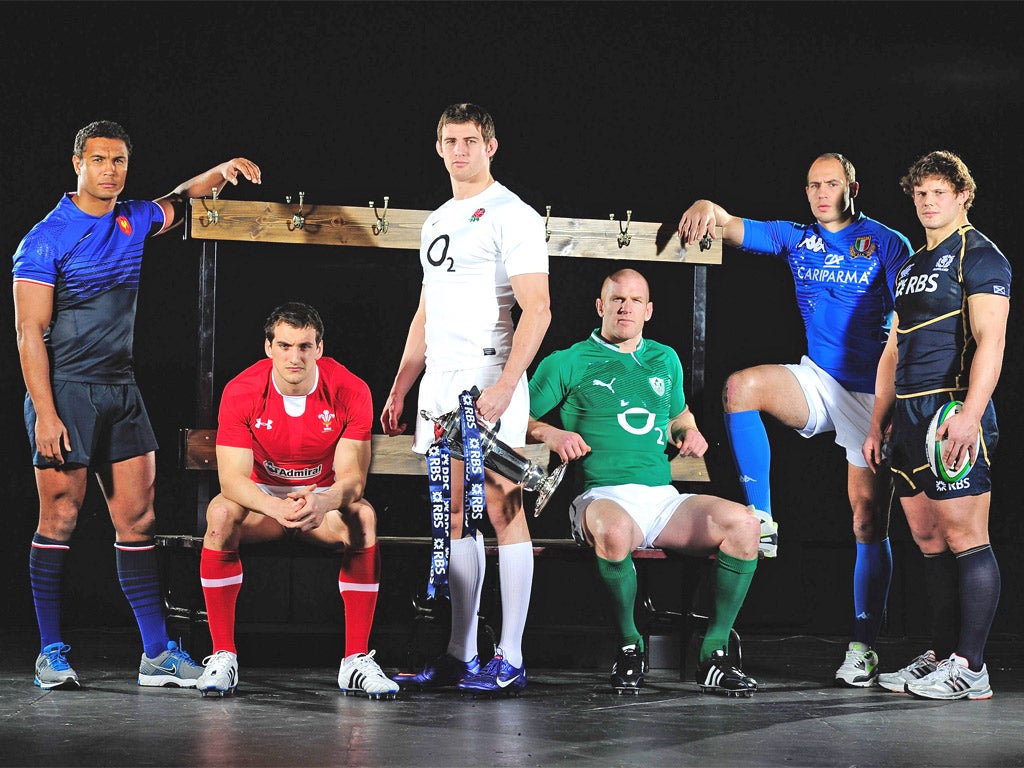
(843, 266)
(76, 281)
(949, 334)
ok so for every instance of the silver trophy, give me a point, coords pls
(500, 457)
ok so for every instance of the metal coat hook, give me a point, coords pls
(381, 227)
(212, 214)
(624, 236)
(547, 227)
(298, 220)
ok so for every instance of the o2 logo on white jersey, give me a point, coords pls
(437, 253)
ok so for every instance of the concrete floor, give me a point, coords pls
(292, 714)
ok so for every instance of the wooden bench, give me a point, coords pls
(394, 456)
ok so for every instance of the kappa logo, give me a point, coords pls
(326, 417)
(813, 243)
(269, 423)
(862, 247)
(657, 384)
(599, 383)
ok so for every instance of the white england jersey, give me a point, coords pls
(468, 250)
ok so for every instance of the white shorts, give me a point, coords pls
(834, 409)
(439, 393)
(651, 507)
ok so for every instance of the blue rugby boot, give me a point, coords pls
(443, 671)
(498, 676)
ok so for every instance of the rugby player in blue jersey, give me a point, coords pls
(76, 281)
(949, 335)
(843, 266)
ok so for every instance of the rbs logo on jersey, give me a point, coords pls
(917, 284)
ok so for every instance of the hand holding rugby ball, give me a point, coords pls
(934, 448)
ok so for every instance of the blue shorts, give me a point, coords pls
(909, 462)
(105, 423)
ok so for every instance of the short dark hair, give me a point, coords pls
(297, 315)
(848, 169)
(944, 165)
(467, 113)
(101, 129)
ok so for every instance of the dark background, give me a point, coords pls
(600, 107)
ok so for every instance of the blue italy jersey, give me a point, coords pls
(844, 289)
(93, 264)
(936, 344)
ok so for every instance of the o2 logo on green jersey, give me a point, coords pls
(647, 425)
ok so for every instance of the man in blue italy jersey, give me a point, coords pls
(76, 281)
(843, 266)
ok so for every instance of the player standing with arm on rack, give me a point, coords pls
(76, 282)
(843, 267)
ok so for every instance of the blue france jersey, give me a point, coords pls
(844, 289)
(93, 264)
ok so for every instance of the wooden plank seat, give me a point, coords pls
(394, 456)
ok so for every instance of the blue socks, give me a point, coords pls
(45, 568)
(139, 573)
(872, 575)
(750, 449)
(979, 595)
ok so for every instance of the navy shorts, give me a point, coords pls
(909, 462)
(105, 422)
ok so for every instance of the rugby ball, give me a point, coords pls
(934, 448)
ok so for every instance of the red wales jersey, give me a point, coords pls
(293, 439)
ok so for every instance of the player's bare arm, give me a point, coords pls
(531, 291)
(988, 325)
(203, 184)
(414, 360)
(885, 398)
(568, 445)
(685, 436)
(234, 470)
(703, 216)
(33, 310)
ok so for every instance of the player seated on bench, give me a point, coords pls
(620, 399)
(293, 450)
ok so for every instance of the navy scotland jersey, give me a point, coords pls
(93, 264)
(936, 345)
(843, 286)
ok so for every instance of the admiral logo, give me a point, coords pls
(292, 474)
(326, 417)
(812, 243)
(862, 247)
(124, 224)
(943, 264)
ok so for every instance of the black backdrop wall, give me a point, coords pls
(600, 107)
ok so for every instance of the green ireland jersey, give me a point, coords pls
(620, 402)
